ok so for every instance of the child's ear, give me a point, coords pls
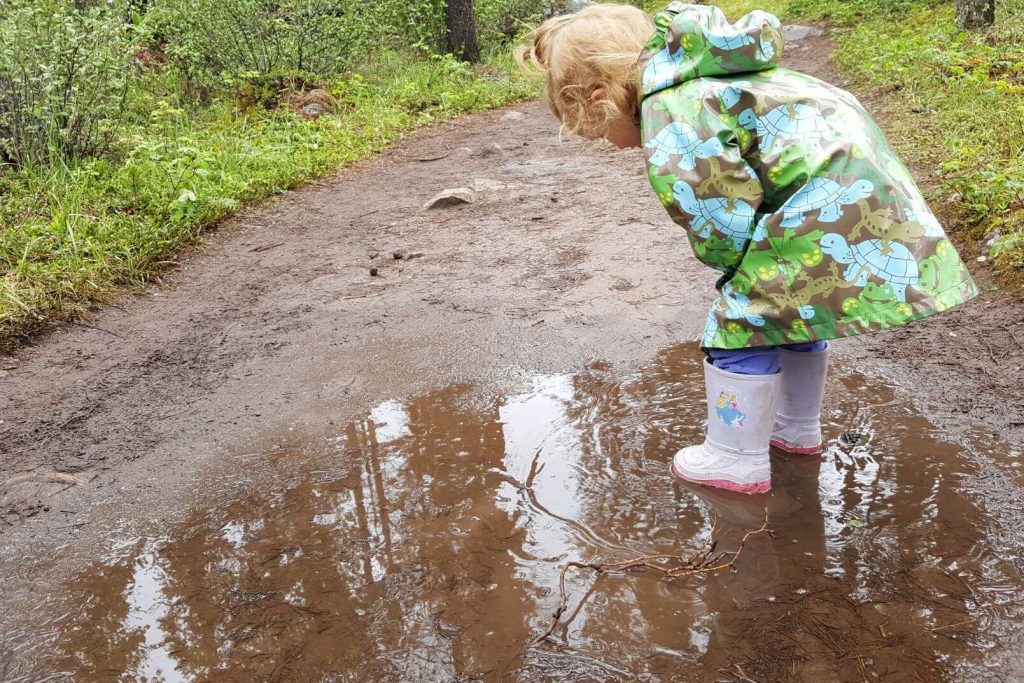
(597, 93)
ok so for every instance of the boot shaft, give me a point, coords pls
(741, 409)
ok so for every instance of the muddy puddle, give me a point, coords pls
(424, 542)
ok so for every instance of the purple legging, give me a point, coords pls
(761, 360)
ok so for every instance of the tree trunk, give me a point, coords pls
(975, 13)
(461, 29)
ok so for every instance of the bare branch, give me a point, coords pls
(703, 561)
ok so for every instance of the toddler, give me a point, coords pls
(782, 182)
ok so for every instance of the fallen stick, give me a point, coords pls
(42, 476)
(704, 561)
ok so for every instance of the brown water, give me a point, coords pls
(424, 542)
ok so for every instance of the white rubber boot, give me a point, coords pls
(734, 456)
(798, 422)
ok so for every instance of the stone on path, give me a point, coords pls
(451, 197)
(793, 33)
(488, 185)
(491, 148)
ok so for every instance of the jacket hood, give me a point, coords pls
(691, 41)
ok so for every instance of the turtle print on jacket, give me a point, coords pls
(786, 185)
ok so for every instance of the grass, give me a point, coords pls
(75, 235)
(953, 103)
(956, 105)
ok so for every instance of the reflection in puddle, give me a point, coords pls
(148, 608)
(424, 543)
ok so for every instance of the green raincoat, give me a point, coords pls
(787, 185)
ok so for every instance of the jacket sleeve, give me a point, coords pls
(696, 165)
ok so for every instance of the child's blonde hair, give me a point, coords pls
(590, 62)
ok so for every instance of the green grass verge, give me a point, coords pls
(72, 236)
(953, 103)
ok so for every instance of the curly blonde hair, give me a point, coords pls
(589, 60)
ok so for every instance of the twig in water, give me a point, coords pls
(959, 623)
(704, 561)
(741, 676)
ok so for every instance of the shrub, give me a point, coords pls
(215, 43)
(63, 78)
(502, 21)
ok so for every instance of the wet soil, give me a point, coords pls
(278, 466)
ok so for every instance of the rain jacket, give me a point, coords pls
(786, 185)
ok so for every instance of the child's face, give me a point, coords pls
(624, 132)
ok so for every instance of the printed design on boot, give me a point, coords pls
(728, 410)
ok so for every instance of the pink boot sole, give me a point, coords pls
(810, 450)
(759, 487)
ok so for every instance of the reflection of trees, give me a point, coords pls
(419, 551)
(468, 544)
(399, 566)
(102, 646)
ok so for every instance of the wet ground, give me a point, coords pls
(279, 467)
(423, 541)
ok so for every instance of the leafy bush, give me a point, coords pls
(223, 42)
(63, 78)
(848, 11)
(216, 43)
(502, 21)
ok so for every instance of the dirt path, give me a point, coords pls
(278, 329)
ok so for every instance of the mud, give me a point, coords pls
(173, 471)
(423, 541)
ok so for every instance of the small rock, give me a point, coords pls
(414, 254)
(373, 254)
(309, 105)
(850, 438)
(794, 32)
(398, 255)
(374, 272)
(488, 185)
(513, 116)
(492, 148)
(451, 197)
(313, 110)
